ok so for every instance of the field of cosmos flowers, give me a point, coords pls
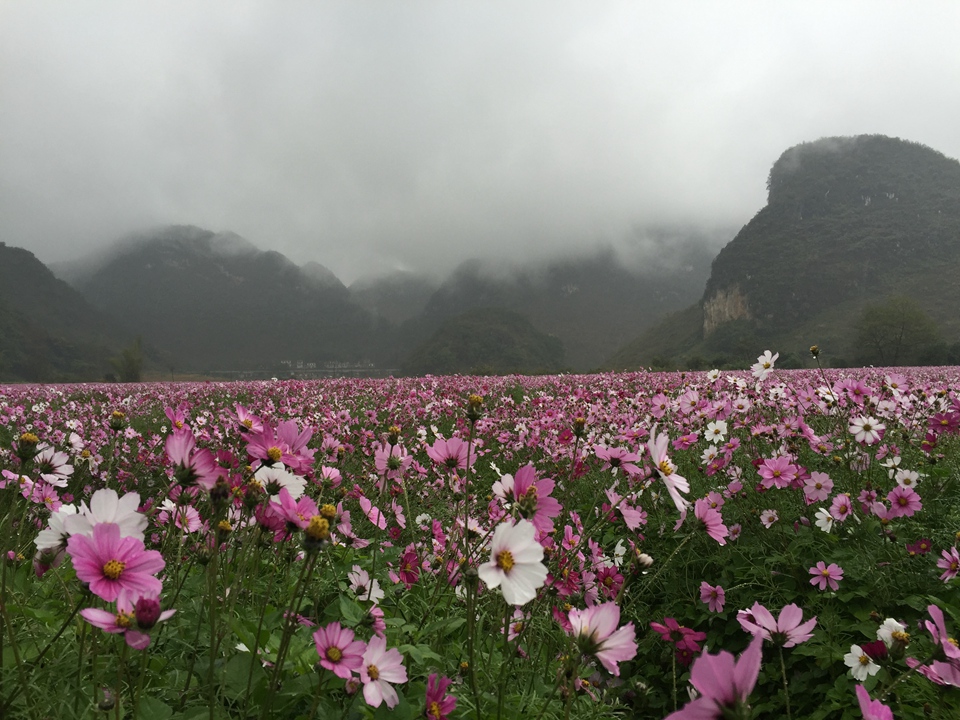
(764, 543)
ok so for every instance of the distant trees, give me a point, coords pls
(897, 331)
(128, 365)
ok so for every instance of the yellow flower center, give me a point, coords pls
(29, 439)
(825, 572)
(334, 654)
(666, 467)
(864, 660)
(505, 561)
(328, 511)
(274, 454)
(900, 636)
(124, 620)
(434, 710)
(179, 424)
(318, 529)
(113, 569)
(373, 672)
(248, 423)
(224, 526)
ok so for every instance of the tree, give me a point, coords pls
(129, 364)
(896, 331)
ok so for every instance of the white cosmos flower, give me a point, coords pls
(824, 520)
(515, 563)
(886, 631)
(764, 365)
(867, 430)
(54, 537)
(860, 664)
(275, 478)
(108, 507)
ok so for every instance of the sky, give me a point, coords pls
(372, 136)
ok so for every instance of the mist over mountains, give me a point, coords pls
(848, 223)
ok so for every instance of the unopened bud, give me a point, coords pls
(147, 612)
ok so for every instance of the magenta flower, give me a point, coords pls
(283, 444)
(530, 496)
(723, 683)
(950, 564)
(130, 618)
(110, 563)
(379, 668)
(787, 630)
(682, 637)
(712, 596)
(711, 519)
(872, 709)
(339, 652)
(597, 634)
(824, 575)
(439, 704)
(904, 502)
(191, 466)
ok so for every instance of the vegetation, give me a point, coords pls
(487, 341)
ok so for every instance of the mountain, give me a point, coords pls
(216, 302)
(396, 297)
(48, 332)
(591, 303)
(486, 341)
(848, 223)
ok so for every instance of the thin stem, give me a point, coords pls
(783, 674)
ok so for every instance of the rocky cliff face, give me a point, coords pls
(725, 305)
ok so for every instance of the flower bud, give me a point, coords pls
(147, 612)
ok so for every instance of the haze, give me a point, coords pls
(371, 136)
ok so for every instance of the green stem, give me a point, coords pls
(786, 690)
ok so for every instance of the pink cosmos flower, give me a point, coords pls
(284, 444)
(451, 454)
(872, 709)
(824, 575)
(439, 704)
(392, 461)
(110, 563)
(904, 502)
(515, 563)
(133, 615)
(949, 563)
(711, 519)
(777, 472)
(191, 466)
(769, 517)
(53, 467)
(817, 487)
(596, 632)
(379, 668)
(723, 683)
(787, 630)
(531, 496)
(617, 457)
(339, 652)
(713, 596)
(683, 638)
(841, 507)
(657, 445)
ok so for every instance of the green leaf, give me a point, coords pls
(152, 708)
(351, 613)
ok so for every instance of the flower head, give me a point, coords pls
(824, 575)
(787, 630)
(379, 668)
(439, 704)
(515, 562)
(764, 365)
(596, 631)
(861, 665)
(339, 652)
(712, 596)
(110, 563)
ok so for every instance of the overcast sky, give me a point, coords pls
(373, 135)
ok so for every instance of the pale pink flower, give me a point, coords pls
(657, 445)
(711, 519)
(378, 670)
(777, 472)
(949, 563)
(872, 709)
(817, 487)
(904, 502)
(867, 430)
(787, 630)
(595, 629)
